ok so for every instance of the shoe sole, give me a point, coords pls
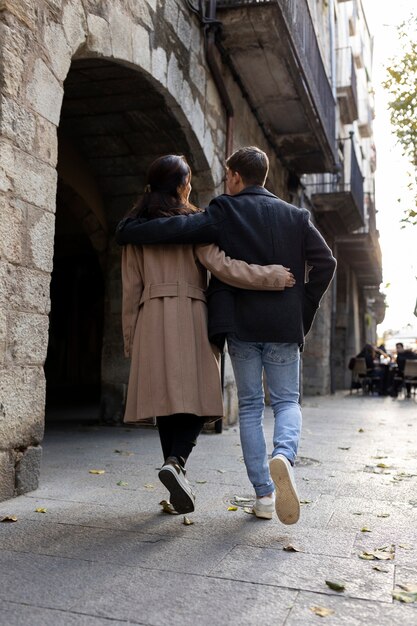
(180, 498)
(287, 504)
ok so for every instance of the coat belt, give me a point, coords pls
(172, 290)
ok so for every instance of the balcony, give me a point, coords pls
(365, 118)
(338, 199)
(362, 250)
(347, 93)
(272, 48)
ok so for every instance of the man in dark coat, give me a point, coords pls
(264, 330)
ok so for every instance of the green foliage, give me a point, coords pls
(401, 84)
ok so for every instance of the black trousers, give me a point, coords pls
(178, 434)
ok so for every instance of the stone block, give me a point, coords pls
(28, 338)
(46, 142)
(12, 65)
(6, 472)
(141, 47)
(175, 78)
(17, 123)
(171, 13)
(58, 50)
(11, 231)
(75, 25)
(99, 39)
(7, 165)
(159, 65)
(44, 92)
(28, 470)
(34, 181)
(184, 29)
(121, 33)
(40, 247)
(198, 77)
(197, 121)
(22, 288)
(22, 398)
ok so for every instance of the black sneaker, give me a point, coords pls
(172, 475)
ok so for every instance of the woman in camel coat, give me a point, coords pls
(174, 373)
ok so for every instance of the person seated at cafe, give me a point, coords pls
(374, 370)
(403, 354)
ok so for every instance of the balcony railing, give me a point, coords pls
(340, 197)
(347, 92)
(298, 30)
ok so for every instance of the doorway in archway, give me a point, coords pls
(73, 363)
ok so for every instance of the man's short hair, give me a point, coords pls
(399, 345)
(251, 163)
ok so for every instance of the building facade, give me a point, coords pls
(91, 93)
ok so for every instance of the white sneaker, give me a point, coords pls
(287, 504)
(264, 507)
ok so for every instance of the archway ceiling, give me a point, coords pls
(119, 122)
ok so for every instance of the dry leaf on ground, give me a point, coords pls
(365, 529)
(149, 486)
(167, 507)
(336, 585)
(122, 483)
(291, 548)
(187, 521)
(232, 508)
(249, 510)
(94, 471)
(322, 611)
(40, 510)
(9, 518)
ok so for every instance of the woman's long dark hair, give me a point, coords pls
(163, 196)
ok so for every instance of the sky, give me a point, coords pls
(399, 246)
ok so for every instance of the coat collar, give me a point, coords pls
(255, 190)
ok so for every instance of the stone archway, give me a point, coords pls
(33, 71)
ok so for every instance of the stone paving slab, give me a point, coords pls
(139, 595)
(105, 553)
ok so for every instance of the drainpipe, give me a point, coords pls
(333, 70)
(210, 26)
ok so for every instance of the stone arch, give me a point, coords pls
(33, 73)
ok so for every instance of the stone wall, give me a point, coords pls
(161, 41)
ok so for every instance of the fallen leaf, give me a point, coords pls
(122, 483)
(249, 510)
(383, 515)
(357, 513)
(321, 610)
(336, 585)
(94, 471)
(291, 548)
(40, 510)
(9, 518)
(200, 482)
(410, 587)
(306, 501)
(384, 465)
(123, 452)
(167, 507)
(306, 479)
(341, 448)
(221, 471)
(365, 529)
(232, 508)
(361, 430)
(405, 546)
(367, 556)
(242, 499)
(187, 521)
(378, 568)
(404, 596)
(149, 486)
(379, 457)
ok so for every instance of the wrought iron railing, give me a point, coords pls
(299, 24)
(348, 181)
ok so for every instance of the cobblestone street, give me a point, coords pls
(103, 552)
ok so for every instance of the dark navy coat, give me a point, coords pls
(257, 227)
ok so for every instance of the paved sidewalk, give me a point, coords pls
(104, 554)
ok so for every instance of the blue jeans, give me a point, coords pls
(281, 362)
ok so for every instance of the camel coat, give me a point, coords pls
(174, 368)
